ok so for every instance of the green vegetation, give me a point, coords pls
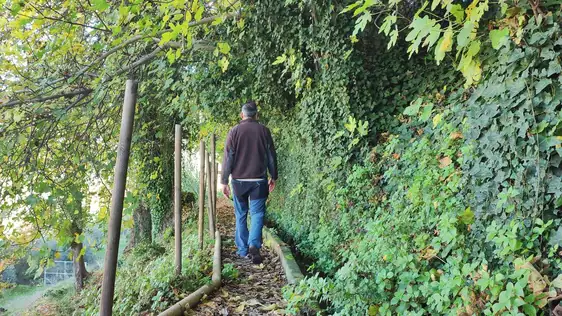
(420, 143)
(11, 293)
(145, 282)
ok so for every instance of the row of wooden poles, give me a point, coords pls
(207, 175)
(208, 172)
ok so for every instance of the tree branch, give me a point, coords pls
(101, 58)
(140, 37)
(69, 94)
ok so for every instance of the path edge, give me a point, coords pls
(195, 298)
(292, 270)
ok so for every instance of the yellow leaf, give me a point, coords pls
(445, 44)
(57, 255)
(240, 308)
(373, 310)
(447, 41)
(436, 120)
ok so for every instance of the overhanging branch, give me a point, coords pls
(69, 94)
(143, 60)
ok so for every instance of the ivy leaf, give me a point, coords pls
(553, 68)
(436, 120)
(363, 128)
(496, 36)
(336, 162)
(556, 238)
(539, 128)
(413, 108)
(280, 59)
(223, 63)
(351, 125)
(426, 112)
(466, 217)
(338, 135)
(543, 83)
(39, 272)
(354, 142)
(224, 48)
(373, 310)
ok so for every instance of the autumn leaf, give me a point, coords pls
(444, 162)
(455, 135)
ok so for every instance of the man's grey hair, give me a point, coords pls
(250, 109)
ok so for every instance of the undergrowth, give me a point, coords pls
(146, 280)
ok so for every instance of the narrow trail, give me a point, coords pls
(257, 288)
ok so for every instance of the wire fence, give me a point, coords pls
(61, 271)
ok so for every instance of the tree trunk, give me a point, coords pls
(80, 273)
(142, 229)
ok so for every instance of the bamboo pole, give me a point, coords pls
(177, 198)
(210, 188)
(201, 191)
(118, 194)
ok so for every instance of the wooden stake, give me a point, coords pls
(210, 188)
(214, 176)
(177, 198)
(118, 194)
(215, 193)
(201, 191)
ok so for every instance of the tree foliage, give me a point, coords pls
(419, 143)
(62, 72)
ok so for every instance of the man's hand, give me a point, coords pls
(271, 185)
(226, 190)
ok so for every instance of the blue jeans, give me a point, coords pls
(249, 196)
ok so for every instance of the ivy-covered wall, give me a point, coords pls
(407, 191)
(446, 206)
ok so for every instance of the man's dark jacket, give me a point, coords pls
(249, 152)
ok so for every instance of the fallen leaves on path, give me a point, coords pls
(257, 288)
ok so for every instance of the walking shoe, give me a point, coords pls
(247, 256)
(255, 255)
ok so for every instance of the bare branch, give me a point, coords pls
(69, 94)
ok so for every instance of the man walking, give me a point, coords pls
(248, 154)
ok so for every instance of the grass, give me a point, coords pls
(19, 298)
(12, 293)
